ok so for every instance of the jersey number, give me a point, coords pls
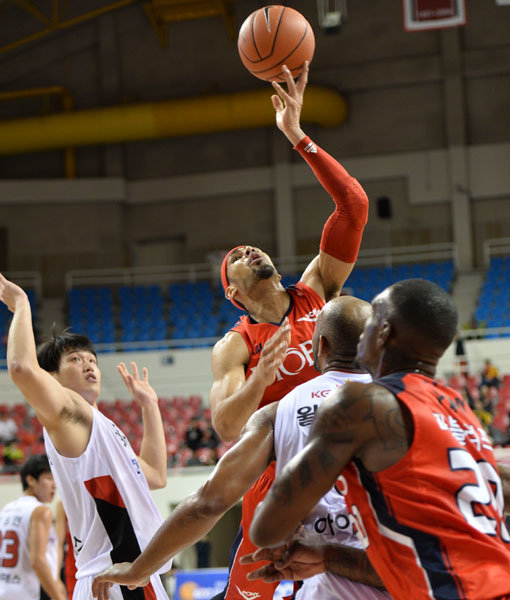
(487, 491)
(11, 545)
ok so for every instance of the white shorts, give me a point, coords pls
(83, 590)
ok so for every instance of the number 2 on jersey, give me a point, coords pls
(487, 491)
(9, 544)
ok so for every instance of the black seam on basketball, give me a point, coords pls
(262, 58)
(276, 32)
(254, 41)
(285, 58)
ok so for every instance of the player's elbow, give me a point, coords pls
(37, 563)
(156, 479)
(20, 371)
(213, 503)
(262, 536)
(158, 483)
(225, 430)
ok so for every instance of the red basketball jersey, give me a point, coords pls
(297, 367)
(432, 524)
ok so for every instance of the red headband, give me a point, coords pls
(224, 277)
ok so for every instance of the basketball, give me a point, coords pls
(274, 36)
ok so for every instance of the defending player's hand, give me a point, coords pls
(288, 104)
(140, 389)
(295, 561)
(10, 293)
(273, 354)
(120, 573)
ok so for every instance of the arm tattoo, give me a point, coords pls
(305, 473)
(282, 491)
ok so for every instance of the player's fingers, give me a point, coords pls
(146, 375)
(134, 368)
(303, 78)
(121, 368)
(277, 103)
(291, 84)
(282, 93)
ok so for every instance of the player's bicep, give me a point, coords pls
(229, 357)
(45, 395)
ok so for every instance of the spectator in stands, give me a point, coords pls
(13, 457)
(8, 427)
(194, 435)
(212, 441)
(490, 375)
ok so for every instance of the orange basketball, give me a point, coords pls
(273, 36)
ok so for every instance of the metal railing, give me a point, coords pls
(495, 247)
(194, 272)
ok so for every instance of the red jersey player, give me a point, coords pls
(279, 321)
(416, 468)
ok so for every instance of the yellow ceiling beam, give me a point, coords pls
(56, 23)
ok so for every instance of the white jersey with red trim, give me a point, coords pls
(110, 511)
(18, 579)
(329, 522)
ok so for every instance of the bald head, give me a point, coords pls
(340, 323)
(424, 310)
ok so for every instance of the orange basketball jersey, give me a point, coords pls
(432, 524)
(297, 367)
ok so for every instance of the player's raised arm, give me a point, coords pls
(46, 396)
(342, 233)
(152, 457)
(233, 398)
(235, 473)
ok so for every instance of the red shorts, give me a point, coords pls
(240, 588)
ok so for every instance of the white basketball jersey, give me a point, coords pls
(329, 522)
(110, 511)
(18, 580)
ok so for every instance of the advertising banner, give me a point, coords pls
(433, 14)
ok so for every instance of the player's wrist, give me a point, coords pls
(294, 135)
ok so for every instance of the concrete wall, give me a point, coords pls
(424, 109)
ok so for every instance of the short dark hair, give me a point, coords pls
(427, 309)
(36, 465)
(50, 352)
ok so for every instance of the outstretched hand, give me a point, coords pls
(288, 104)
(10, 293)
(273, 353)
(140, 389)
(120, 573)
(294, 561)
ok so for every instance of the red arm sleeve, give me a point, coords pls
(341, 236)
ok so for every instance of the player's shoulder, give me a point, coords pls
(360, 397)
(42, 514)
(230, 346)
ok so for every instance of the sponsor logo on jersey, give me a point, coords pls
(248, 595)
(296, 359)
(257, 349)
(311, 147)
(331, 524)
(311, 316)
